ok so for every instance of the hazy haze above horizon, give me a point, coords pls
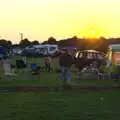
(40, 19)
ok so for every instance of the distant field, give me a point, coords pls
(49, 79)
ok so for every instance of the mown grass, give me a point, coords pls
(67, 105)
(48, 78)
(60, 106)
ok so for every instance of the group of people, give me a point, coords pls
(66, 60)
(7, 64)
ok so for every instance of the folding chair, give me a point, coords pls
(20, 65)
(115, 76)
(35, 69)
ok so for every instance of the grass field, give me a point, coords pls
(60, 106)
(49, 79)
(67, 105)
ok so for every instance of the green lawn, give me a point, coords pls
(26, 78)
(68, 105)
(44, 79)
(60, 106)
(49, 79)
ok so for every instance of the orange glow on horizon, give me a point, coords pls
(40, 19)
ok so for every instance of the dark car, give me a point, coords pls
(87, 57)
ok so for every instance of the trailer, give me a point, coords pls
(113, 54)
(46, 49)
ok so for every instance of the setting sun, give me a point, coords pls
(92, 33)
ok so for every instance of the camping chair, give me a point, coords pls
(20, 65)
(35, 69)
(115, 76)
(104, 76)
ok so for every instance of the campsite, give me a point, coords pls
(42, 96)
(60, 60)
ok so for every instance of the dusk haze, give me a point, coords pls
(40, 19)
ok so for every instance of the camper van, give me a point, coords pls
(46, 49)
(113, 54)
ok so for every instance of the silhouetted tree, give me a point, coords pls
(102, 38)
(52, 40)
(5, 43)
(45, 42)
(100, 44)
(35, 42)
(25, 42)
(9, 42)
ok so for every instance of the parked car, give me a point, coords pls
(87, 57)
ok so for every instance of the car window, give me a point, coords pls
(89, 55)
(80, 55)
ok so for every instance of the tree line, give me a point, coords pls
(100, 44)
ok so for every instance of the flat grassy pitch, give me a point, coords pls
(67, 105)
(49, 79)
(60, 106)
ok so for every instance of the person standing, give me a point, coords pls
(7, 66)
(65, 61)
(48, 64)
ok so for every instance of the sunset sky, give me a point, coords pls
(40, 19)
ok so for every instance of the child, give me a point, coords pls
(47, 64)
(7, 63)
